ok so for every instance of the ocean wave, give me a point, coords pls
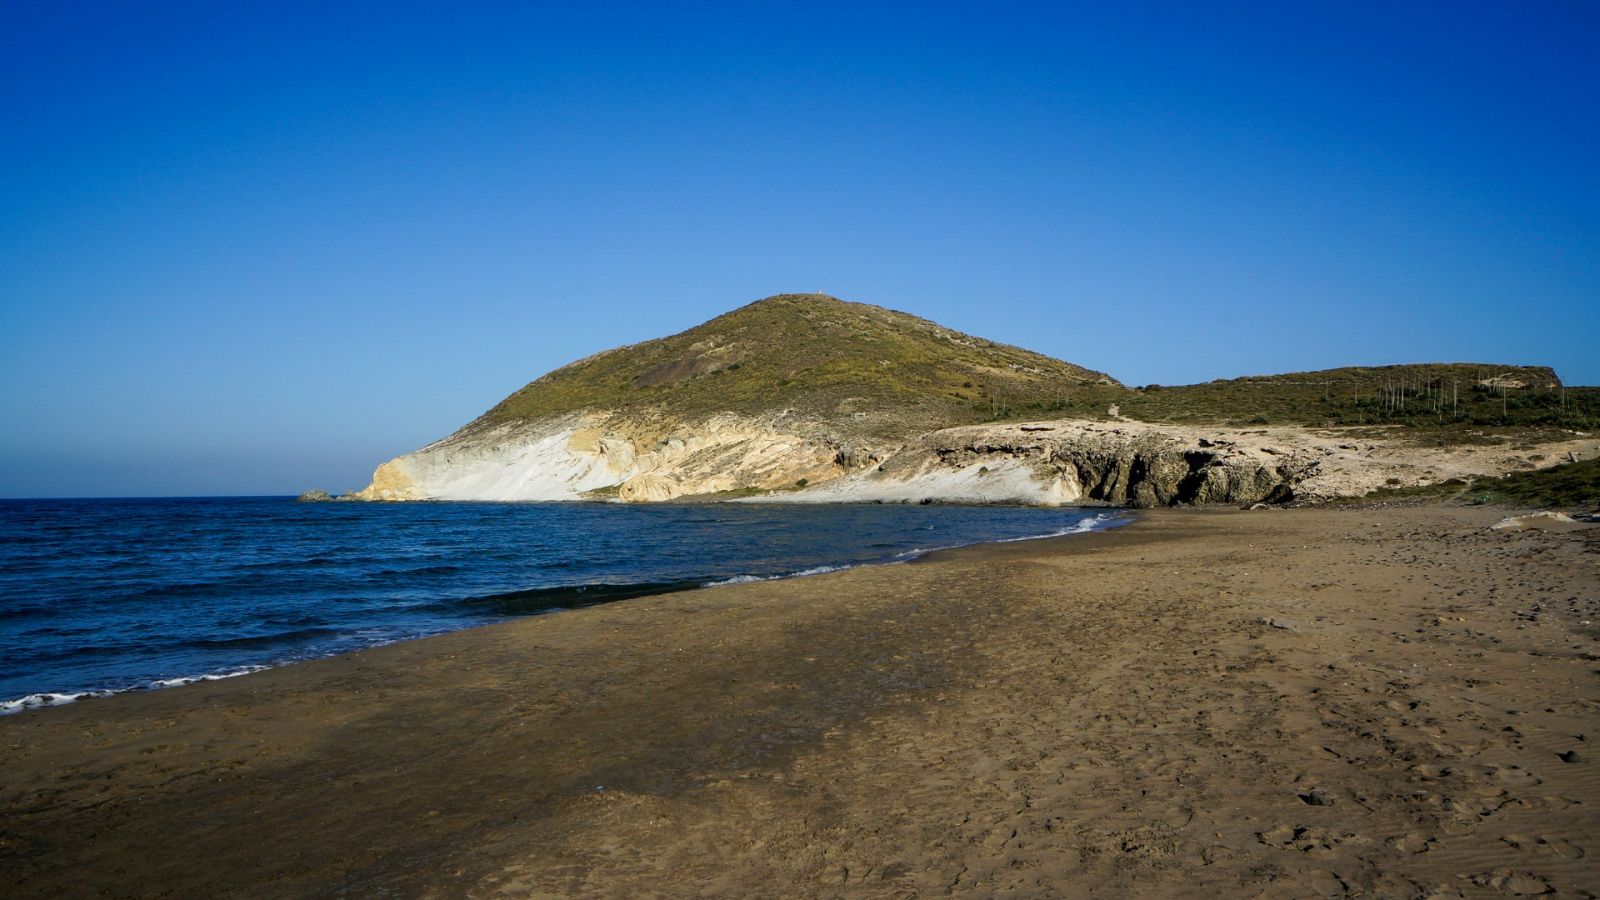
(814, 570)
(26, 611)
(179, 589)
(1093, 523)
(133, 644)
(310, 562)
(1098, 522)
(261, 640)
(420, 570)
(50, 698)
(209, 676)
(548, 599)
(40, 701)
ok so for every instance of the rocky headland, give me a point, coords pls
(806, 398)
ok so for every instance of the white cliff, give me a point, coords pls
(595, 456)
(611, 456)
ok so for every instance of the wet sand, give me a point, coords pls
(1285, 703)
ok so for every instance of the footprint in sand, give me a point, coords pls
(1518, 884)
(1429, 772)
(1553, 844)
(1305, 838)
(1513, 775)
(1414, 843)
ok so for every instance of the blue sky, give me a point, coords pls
(256, 248)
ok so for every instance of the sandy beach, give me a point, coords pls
(1396, 702)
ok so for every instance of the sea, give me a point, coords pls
(104, 596)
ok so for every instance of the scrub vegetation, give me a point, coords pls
(1574, 485)
(883, 373)
(1567, 485)
(1439, 396)
(816, 357)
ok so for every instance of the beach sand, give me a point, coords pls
(1386, 702)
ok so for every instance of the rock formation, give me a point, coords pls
(805, 398)
(599, 455)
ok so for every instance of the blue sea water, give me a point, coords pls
(114, 595)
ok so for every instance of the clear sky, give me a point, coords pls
(262, 247)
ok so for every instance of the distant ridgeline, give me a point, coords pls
(1425, 394)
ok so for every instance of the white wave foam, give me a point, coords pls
(1093, 523)
(815, 570)
(740, 579)
(819, 570)
(1083, 526)
(211, 676)
(40, 701)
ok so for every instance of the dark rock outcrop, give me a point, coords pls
(1114, 464)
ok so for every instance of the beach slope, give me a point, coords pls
(1390, 702)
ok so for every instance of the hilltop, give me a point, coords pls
(856, 366)
(809, 397)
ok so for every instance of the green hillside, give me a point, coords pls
(1424, 395)
(1443, 402)
(865, 367)
(1567, 485)
(874, 371)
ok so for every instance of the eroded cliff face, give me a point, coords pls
(1074, 462)
(1138, 464)
(599, 456)
(656, 458)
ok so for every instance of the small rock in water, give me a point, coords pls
(314, 497)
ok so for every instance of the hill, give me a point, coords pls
(1420, 395)
(889, 374)
(857, 366)
(1442, 400)
(799, 391)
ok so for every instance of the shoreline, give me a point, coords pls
(1141, 709)
(613, 592)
